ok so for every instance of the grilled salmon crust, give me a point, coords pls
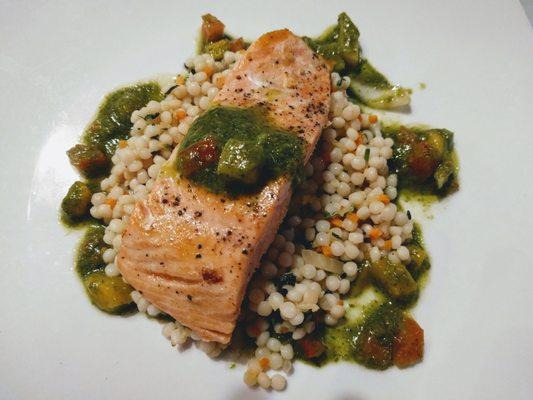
(191, 252)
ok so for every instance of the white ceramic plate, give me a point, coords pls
(57, 60)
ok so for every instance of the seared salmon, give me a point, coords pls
(191, 252)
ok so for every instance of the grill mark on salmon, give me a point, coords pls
(191, 252)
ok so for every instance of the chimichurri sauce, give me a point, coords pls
(92, 159)
(112, 122)
(386, 336)
(369, 343)
(339, 44)
(109, 294)
(233, 151)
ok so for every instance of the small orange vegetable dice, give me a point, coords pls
(353, 217)
(180, 114)
(384, 198)
(264, 363)
(375, 233)
(111, 202)
(336, 221)
(326, 250)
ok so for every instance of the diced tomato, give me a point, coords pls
(311, 347)
(89, 160)
(212, 28)
(336, 222)
(236, 45)
(408, 345)
(421, 162)
(372, 352)
(198, 156)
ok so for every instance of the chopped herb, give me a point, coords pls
(233, 366)
(282, 337)
(367, 154)
(286, 279)
(408, 214)
(152, 116)
(337, 236)
(170, 89)
(342, 213)
(274, 318)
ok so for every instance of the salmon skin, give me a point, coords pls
(192, 252)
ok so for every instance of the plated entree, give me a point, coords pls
(252, 204)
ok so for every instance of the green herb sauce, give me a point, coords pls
(370, 76)
(245, 151)
(109, 294)
(381, 322)
(370, 87)
(75, 221)
(340, 45)
(371, 311)
(100, 139)
(112, 122)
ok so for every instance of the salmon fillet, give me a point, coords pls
(191, 252)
